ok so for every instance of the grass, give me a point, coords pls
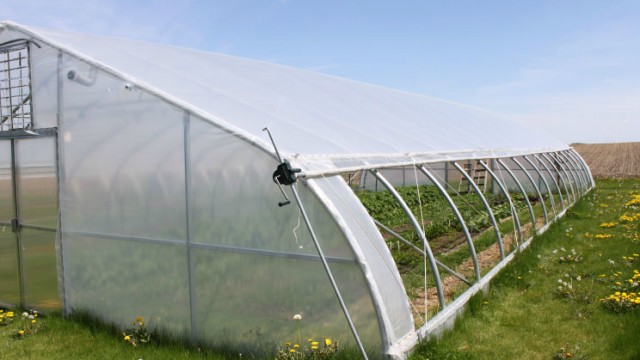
(525, 315)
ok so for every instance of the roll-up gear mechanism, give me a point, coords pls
(284, 174)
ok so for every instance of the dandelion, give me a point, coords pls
(127, 338)
(297, 318)
(33, 321)
(293, 351)
(314, 347)
(327, 341)
(21, 332)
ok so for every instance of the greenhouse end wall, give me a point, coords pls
(168, 217)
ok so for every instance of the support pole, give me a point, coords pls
(467, 235)
(328, 271)
(535, 186)
(417, 227)
(546, 184)
(524, 193)
(505, 192)
(486, 206)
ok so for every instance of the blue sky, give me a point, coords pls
(569, 67)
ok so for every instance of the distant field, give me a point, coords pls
(619, 160)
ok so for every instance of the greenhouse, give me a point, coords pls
(243, 204)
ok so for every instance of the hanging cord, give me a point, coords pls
(424, 246)
(295, 229)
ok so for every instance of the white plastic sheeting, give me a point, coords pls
(312, 115)
(168, 209)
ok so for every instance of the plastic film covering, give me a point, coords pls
(9, 288)
(6, 187)
(44, 80)
(124, 160)
(255, 263)
(377, 260)
(37, 199)
(317, 115)
(123, 203)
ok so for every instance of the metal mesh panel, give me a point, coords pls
(15, 88)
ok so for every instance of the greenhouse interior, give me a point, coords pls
(239, 203)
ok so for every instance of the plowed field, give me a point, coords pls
(619, 160)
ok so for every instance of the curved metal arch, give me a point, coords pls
(553, 178)
(524, 193)
(486, 206)
(585, 167)
(573, 184)
(418, 228)
(562, 176)
(578, 172)
(467, 235)
(580, 168)
(535, 186)
(546, 184)
(514, 213)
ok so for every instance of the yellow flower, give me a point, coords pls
(10, 314)
(21, 332)
(295, 346)
(292, 351)
(314, 343)
(314, 347)
(287, 344)
(127, 338)
(33, 321)
(327, 342)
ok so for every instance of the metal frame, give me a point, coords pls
(458, 215)
(505, 192)
(421, 235)
(486, 206)
(585, 167)
(546, 184)
(578, 171)
(571, 175)
(562, 176)
(535, 186)
(522, 190)
(553, 178)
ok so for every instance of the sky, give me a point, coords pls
(568, 67)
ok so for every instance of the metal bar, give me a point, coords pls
(329, 274)
(16, 214)
(555, 181)
(416, 226)
(61, 181)
(578, 171)
(465, 230)
(486, 206)
(15, 109)
(522, 190)
(238, 250)
(546, 184)
(189, 231)
(569, 168)
(562, 176)
(585, 167)
(24, 134)
(535, 186)
(505, 192)
(568, 175)
(411, 245)
(36, 227)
